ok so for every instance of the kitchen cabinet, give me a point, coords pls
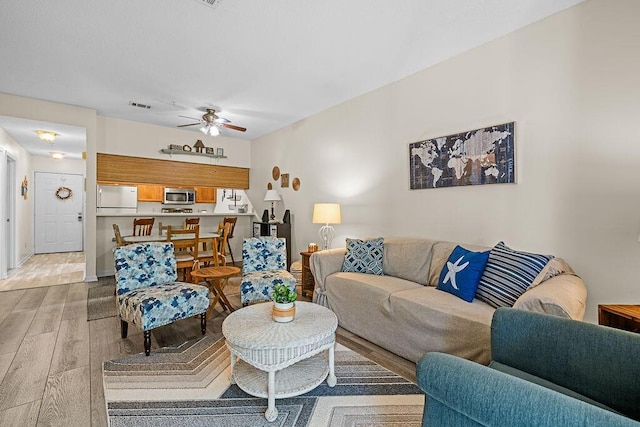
(150, 193)
(205, 195)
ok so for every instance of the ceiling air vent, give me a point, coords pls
(140, 105)
(210, 3)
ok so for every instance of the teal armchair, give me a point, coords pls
(545, 371)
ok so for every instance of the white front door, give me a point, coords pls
(58, 212)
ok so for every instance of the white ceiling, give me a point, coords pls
(266, 64)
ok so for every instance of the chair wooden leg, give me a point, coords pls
(233, 261)
(124, 328)
(203, 323)
(147, 343)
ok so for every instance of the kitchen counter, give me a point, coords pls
(173, 214)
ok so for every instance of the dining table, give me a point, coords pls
(202, 237)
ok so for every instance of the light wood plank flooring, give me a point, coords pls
(44, 270)
(51, 357)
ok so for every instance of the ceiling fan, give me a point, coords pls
(211, 123)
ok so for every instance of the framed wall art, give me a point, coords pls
(284, 180)
(481, 156)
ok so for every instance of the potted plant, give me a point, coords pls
(283, 303)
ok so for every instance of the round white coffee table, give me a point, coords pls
(260, 347)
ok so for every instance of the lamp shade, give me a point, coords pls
(326, 213)
(272, 196)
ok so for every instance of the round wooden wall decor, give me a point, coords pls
(275, 173)
(269, 186)
(296, 184)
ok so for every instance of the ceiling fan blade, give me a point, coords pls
(192, 124)
(190, 118)
(233, 127)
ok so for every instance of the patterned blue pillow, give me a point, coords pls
(508, 274)
(461, 273)
(364, 256)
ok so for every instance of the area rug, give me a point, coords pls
(101, 302)
(189, 385)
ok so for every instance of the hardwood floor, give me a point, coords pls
(51, 356)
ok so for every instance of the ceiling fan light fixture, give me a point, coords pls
(46, 135)
(210, 130)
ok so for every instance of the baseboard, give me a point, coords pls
(105, 273)
(91, 279)
(25, 259)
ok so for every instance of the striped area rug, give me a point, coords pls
(189, 386)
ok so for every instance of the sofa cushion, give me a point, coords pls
(426, 319)
(508, 274)
(461, 273)
(364, 256)
(440, 255)
(408, 259)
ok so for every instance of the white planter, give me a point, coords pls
(283, 312)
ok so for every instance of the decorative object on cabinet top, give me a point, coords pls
(208, 153)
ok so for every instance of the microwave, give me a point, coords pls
(179, 196)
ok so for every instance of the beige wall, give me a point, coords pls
(49, 164)
(569, 81)
(23, 207)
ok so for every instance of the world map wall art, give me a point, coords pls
(481, 156)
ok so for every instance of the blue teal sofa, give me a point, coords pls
(545, 371)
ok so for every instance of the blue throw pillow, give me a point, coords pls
(508, 274)
(364, 256)
(461, 273)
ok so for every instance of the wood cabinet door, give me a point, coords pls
(205, 195)
(150, 193)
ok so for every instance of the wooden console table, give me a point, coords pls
(626, 317)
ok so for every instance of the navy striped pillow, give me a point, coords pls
(508, 274)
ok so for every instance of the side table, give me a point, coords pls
(308, 284)
(626, 317)
(216, 279)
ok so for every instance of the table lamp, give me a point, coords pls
(326, 213)
(272, 196)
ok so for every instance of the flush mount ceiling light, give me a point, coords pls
(47, 135)
(57, 155)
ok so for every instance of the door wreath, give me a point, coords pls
(63, 193)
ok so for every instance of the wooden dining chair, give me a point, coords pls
(231, 220)
(142, 226)
(189, 223)
(119, 240)
(215, 253)
(185, 244)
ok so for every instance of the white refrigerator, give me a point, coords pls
(117, 199)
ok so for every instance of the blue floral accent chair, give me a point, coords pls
(148, 293)
(264, 264)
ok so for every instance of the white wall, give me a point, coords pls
(136, 139)
(24, 207)
(569, 81)
(49, 164)
(35, 109)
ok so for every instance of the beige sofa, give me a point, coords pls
(404, 313)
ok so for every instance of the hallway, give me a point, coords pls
(46, 270)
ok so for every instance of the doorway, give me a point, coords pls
(58, 213)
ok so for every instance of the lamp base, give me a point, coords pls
(326, 233)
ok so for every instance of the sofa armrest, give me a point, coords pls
(564, 295)
(594, 361)
(323, 264)
(463, 393)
